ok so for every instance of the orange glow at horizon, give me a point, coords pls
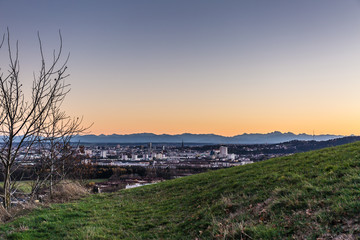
(175, 67)
(229, 128)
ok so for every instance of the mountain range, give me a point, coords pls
(252, 138)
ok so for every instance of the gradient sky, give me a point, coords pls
(224, 67)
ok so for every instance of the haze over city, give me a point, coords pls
(218, 67)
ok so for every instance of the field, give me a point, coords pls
(309, 195)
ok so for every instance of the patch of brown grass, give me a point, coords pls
(15, 211)
(229, 230)
(229, 227)
(4, 215)
(67, 191)
(338, 237)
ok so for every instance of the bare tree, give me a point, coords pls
(23, 120)
(57, 151)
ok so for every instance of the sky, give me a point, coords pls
(199, 66)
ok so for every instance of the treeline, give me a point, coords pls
(88, 171)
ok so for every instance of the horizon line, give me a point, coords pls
(245, 133)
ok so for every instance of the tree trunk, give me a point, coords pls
(51, 177)
(7, 188)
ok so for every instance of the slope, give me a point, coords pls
(306, 195)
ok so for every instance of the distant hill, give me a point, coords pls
(295, 146)
(253, 138)
(313, 195)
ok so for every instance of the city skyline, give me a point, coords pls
(174, 67)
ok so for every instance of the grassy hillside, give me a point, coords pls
(307, 195)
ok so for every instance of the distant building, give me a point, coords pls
(231, 156)
(223, 151)
(159, 156)
(88, 152)
(103, 154)
(246, 162)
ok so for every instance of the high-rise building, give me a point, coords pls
(104, 154)
(223, 151)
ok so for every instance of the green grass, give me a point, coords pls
(25, 186)
(303, 196)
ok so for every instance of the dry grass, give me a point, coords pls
(229, 230)
(68, 190)
(228, 227)
(4, 215)
(16, 211)
(338, 237)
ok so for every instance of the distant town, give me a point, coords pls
(165, 156)
(127, 165)
(196, 155)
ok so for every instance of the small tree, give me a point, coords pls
(57, 154)
(23, 120)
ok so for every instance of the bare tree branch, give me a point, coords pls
(25, 123)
